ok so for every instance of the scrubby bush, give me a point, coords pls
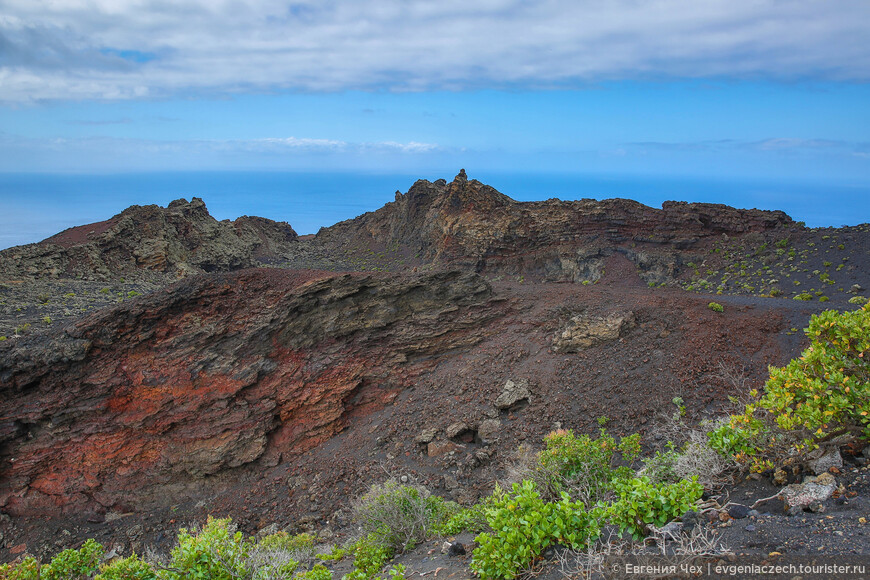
(581, 465)
(216, 552)
(132, 568)
(318, 572)
(399, 516)
(370, 555)
(524, 525)
(716, 307)
(643, 503)
(820, 396)
(470, 519)
(68, 565)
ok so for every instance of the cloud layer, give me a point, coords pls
(104, 49)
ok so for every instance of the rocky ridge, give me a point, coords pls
(179, 240)
(469, 224)
(426, 340)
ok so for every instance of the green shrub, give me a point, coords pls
(524, 525)
(660, 467)
(805, 296)
(370, 555)
(27, 569)
(216, 552)
(642, 503)
(131, 568)
(74, 564)
(715, 307)
(823, 394)
(399, 517)
(582, 466)
(318, 572)
(471, 519)
(858, 300)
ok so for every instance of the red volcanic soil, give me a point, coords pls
(80, 234)
(276, 396)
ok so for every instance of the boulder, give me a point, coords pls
(583, 331)
(513, 393)
(813, 490)
(823, 459)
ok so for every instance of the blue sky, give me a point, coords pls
(733, 89)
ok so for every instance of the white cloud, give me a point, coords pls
(109, 153)
(105, 49)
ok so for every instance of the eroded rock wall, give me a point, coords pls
(214, 374)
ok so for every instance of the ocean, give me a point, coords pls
(34, 206)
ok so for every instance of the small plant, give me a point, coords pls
(858, 300)
(397, 572)
(369, 558)
(524, 525)
(318, 572)
(398, 517)
(46, 319)
(716, 307)
(216, 552)
(642, 503)
(470, 519)
(74, 564)
(131, 568)
(805, 296)
(602, 420)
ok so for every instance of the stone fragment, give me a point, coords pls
(455, 429)
(738, 511)
(426, 435)
(513, 393)
(813, 489)
(438, 448)
(583, 331)
(823, 459)
(488, 430)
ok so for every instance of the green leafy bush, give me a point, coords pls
(716, 307)
(642, 503)
(27, 569)
(131, 568)
(823, 394)
(471, 519)
(318, 572)
(74, 564)
(216, 552)
(524, 525)
(370, 555)
(582, 466)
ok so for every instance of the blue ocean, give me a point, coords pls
(36, 206)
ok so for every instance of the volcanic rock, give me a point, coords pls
(176, 386)
(181, 239)
(583, 331)
(512, 394)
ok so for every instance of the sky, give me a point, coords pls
(736, 89)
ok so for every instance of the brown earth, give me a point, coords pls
(275, 395)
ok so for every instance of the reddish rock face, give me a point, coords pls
(214, 374)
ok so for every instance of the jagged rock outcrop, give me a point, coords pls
(471, 224)
(181, 239)
(213, 374)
